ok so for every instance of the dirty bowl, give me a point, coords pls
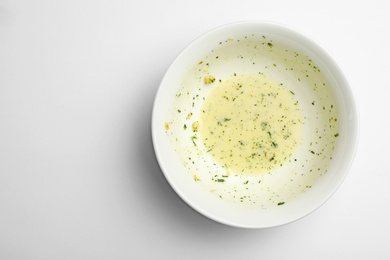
(254, 125)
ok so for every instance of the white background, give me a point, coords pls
(78, 174)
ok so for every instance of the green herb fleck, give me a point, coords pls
(193, 138)
(281, 203)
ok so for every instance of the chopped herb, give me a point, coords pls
(193, 138)
(209, 79)
(292, 92)
(195, 126)
(270, 44)
(281, 203)
(220, 180)
(336, 135)
(179, 111)
(189, 115)
(184, 126)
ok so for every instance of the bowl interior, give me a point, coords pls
(280, 189)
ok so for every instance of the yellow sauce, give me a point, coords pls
(250, 124)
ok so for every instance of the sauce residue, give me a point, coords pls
(254, 122)
(250, 124)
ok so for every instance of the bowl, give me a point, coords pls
(254, 125)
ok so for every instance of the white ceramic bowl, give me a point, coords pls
(315, 165)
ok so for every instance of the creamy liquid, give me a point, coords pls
(250, 124)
